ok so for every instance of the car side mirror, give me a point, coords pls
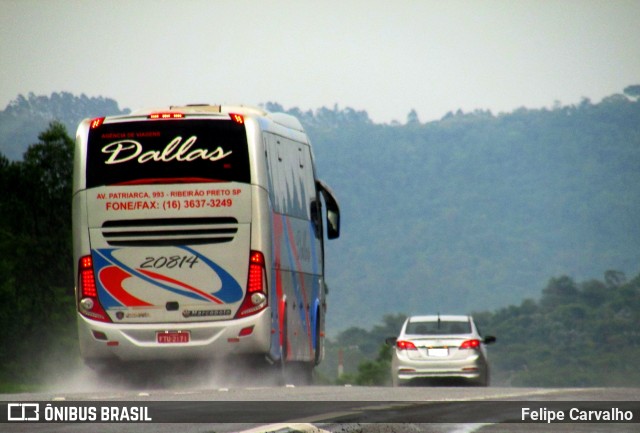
(489, 339)
(391, 341)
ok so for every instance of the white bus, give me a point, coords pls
(198, 234)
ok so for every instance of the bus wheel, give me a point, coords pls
(297, 373)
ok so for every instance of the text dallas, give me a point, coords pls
(127, 150)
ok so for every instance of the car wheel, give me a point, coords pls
(483, 380)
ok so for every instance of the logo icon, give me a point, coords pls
(23, 412)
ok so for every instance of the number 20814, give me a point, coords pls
(169, 262)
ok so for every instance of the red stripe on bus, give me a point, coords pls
(181, 284)
(111, 278)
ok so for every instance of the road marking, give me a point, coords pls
(516, 394)
(327, 416)
(469, 428)
(286, 428)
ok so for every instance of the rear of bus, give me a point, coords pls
(165, 262)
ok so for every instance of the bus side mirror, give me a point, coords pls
(333, 224)
(333, 210)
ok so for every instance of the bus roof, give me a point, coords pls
(282, 119)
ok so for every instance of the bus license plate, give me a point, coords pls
(172, 337)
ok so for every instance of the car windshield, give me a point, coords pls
(438, 327)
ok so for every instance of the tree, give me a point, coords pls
(25, 117)
(614, 278)
(632, 91)
(378, 372)
(391, 324)
(558, 291)
(36, 269)
(412, 118)
(46, 194)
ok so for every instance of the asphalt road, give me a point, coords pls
(189, 403)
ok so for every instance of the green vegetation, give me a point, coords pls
(477, 210)
(36, 272)
(25, 117)
(473, 212)
(365, 358)
(583, 334)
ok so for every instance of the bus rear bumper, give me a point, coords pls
(175, 341)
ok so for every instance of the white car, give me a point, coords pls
(439, 346)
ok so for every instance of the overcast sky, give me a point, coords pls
(385, 57)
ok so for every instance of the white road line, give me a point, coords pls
(469, 428)
(289, 428)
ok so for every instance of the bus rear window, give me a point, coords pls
(167, 151)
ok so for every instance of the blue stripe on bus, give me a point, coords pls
(294, 272)
(231, 291)
(315, 292)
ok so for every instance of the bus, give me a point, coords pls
(198, 234)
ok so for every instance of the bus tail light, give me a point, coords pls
(238, 118)
(97, 122)
(255, 298)
(166, 115)
(88, 303)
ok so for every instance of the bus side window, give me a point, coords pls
(316, 217)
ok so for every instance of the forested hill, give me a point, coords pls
(473, 212)
(26, 117)
(477, 211)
